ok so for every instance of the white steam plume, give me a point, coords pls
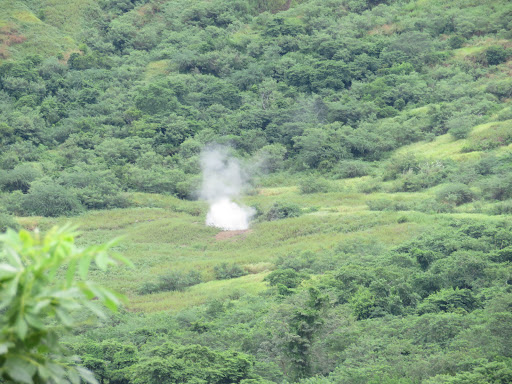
(223, 180)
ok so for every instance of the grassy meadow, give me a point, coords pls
(163, 233)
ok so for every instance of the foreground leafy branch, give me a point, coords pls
(42, 278)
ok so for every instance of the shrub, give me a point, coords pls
(283, 210)
(400, 165)
(7, 221)
(455, 194)
(313, 184)
(228, 271)
(460, 126)
(434, 206)
(290, 278)
(271, 157)
(456, 41)
(178, 281)
(13, 202)
(387, 205)
(18, 178)
(50, 199)
(502, 208)
(157, 179)
(147, 288)
(496, 55)
(351, 168)
(172, 281)
(498, 187)
(96, 189)
(448, 300)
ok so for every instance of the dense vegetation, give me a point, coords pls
(379, 135)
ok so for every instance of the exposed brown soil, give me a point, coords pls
(224, 235)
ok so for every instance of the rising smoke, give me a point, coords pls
(223, 181)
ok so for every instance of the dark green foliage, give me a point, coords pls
(496, 55)
(50, 199)
(96, 189)
(324, 87)
(283, 210)
(286, 277)
(498, 187)
(191, 364)
(7, 221)
(460, 126)
(456, 41)
(455, 194)
(19, 178)
(228, 271)
(304, 323)
(387, 205)
(172, 281)
(502, 208)
(448, 300)
(314, 184)
(351, 168)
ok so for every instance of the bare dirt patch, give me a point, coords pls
(224, 235)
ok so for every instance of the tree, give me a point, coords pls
(43, 277)
(304, 324)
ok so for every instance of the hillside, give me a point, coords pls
(377, 141)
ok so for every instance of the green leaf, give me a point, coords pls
(4, 347)
(21, 327)
(13, 257)
(83, 267)
(43, 372)
(94, 309)
(19, 370)
(7, 271)
(102, 260)
(64, 317)
(70, 274)
(123, 260)
(34, 321)
(87, 375)
(74, 377)
(40, 305)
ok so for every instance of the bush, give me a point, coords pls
(178, 281)
(50, 200)
(172, 281)
(502, 208)
(147, 288)
(456, 41)
(96, 189)
(157, 179)
(496, 55)
(448, 300)
(400, 165)
(313, 184)
(290, 278)
(19, 178)
(228, 271)
(455, 194)
(7, 221)
(351, 168)
(460, 126)
(387, 205)
(271, 157)
(498, 187)
(283, 210)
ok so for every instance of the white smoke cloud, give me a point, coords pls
(223, 180)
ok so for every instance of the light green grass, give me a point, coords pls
(165, 236)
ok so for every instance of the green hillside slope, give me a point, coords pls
(377, 136)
